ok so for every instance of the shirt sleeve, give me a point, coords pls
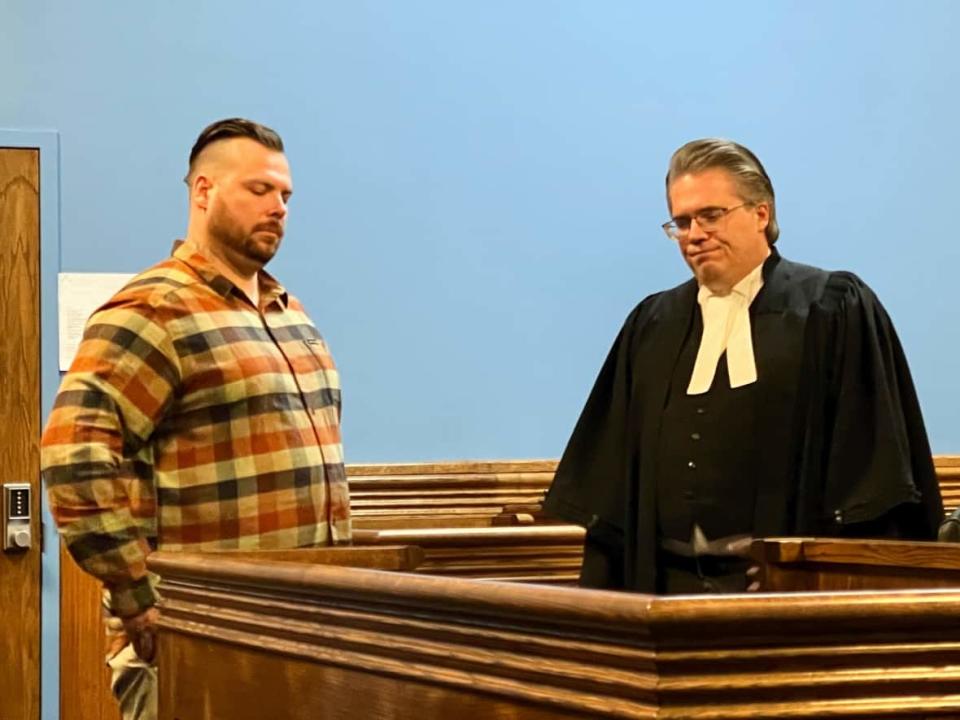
(96, 455)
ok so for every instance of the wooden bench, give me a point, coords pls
(491, 493)
(948, 475)
(480, 520)
(454, 494)
(484, 520)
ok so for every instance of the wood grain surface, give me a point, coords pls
(330, 641)
(20, 417)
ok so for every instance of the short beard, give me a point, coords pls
(225, 230)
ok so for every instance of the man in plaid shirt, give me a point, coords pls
(202, 411)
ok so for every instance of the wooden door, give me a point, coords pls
(20, 426)
(84, 676)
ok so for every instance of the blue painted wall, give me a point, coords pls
(479, 184)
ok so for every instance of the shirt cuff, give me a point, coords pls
(129, 600)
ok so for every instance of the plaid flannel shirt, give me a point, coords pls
(189, 420)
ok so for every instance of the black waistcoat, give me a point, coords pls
(706, 459)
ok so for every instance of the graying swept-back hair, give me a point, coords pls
(752, 180)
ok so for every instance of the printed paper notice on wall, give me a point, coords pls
(80, 294)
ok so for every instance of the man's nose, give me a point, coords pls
(279, 207)
(696, 232)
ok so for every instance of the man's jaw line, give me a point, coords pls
(235, 261)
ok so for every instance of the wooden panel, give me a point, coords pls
(546, 554)
(453, 467)
(948, 475)
(448, 495)
(880, 553)
(20, 421)
(84, 675)
(348, 694)
(831, 564)
(485, 493)
(378, 646)
(416, 646)
(387, 557)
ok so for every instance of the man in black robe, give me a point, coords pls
(760, 398)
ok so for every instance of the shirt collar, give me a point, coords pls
(270, 289)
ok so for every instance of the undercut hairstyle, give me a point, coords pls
(232, 128)
(752, 180)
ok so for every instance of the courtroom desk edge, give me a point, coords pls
(452, 467)
(622, 612)
(479, 536)
(385, 556)
(927, 555)
(426, 646)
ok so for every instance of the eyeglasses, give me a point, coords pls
(708, 219)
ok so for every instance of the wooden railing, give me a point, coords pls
(454, 494)
(479, 520)
(246, 641)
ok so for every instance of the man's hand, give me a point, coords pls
(741, 547)
(142, 629)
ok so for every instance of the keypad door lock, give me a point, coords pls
(16, 517)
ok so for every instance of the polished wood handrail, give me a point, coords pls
(413, 646)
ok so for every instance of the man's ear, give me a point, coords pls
(202, 189)
(763, 215)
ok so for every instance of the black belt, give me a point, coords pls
(679, 575)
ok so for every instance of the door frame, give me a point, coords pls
(47, 142)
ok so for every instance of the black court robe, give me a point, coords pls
(840, 436)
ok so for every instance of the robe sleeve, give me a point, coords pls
(591, 484)
(875, 459)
